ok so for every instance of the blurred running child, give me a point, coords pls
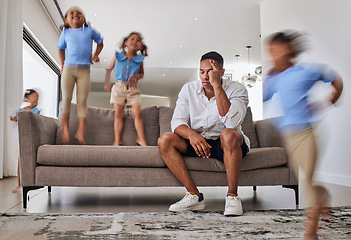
(292, 82)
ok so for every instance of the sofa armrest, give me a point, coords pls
(267, 134)
(34, 130)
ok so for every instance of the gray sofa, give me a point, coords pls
(45, 162)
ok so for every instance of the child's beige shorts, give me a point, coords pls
(123, 94)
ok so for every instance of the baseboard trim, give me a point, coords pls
(333, 178)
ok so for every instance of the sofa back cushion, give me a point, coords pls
(249, 129)
(165, 118)
(100, 127)
(247, 125)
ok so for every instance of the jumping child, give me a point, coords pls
(129, 70)
(75, 52)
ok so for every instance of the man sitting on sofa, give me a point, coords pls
(207, 123)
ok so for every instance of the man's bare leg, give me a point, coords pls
(171, 146)
(231, 141)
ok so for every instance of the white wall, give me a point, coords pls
(324, 21)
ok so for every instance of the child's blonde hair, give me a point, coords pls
(143, 50)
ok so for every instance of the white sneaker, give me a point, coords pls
(233, 206)
(188, 203)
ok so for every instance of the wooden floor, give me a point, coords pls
(83, 199)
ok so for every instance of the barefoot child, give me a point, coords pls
(292, 82)
(75, 52)
(129, 70)
(31, 97)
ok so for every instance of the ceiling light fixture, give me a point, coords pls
(258, 71)
(237, 65)
(249, 80)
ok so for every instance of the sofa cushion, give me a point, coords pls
(267, 133)
(248, 128)
(151, 127)
(257, 158)
(136, 156)
(100, 127)
(99, 156)
(165, 118)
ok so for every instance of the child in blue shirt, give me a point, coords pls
(75, 52)
(31, 97)
(129, 69)
(292, 82)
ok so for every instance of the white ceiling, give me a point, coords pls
(226, 26)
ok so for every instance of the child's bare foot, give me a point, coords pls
(18, 188)
(310, 237)
(324, 202)
(117, 143)
(312, 220)
(141, 143)
(80, 138)
(65, 137)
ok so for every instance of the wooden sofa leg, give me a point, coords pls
(25, 191)
(49, 189)
(296, 189)
(254, 188)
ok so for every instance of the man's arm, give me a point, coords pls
(223, 103)
(201, 147)
(232, 109)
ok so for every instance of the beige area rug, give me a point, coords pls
(272, 224)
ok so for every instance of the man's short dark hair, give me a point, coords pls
(214, 56)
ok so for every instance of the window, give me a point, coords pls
(42, 74)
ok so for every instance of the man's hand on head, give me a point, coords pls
(215, 75)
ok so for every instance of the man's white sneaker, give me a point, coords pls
(188, 203)
(233, 206)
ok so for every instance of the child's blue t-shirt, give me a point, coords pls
(78, 44)
(33, 110)
(124, 68)
(293, 86)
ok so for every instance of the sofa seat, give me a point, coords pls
(149, 157)
(99, 156)
(257, 158)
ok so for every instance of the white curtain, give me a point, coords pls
(11, 81)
